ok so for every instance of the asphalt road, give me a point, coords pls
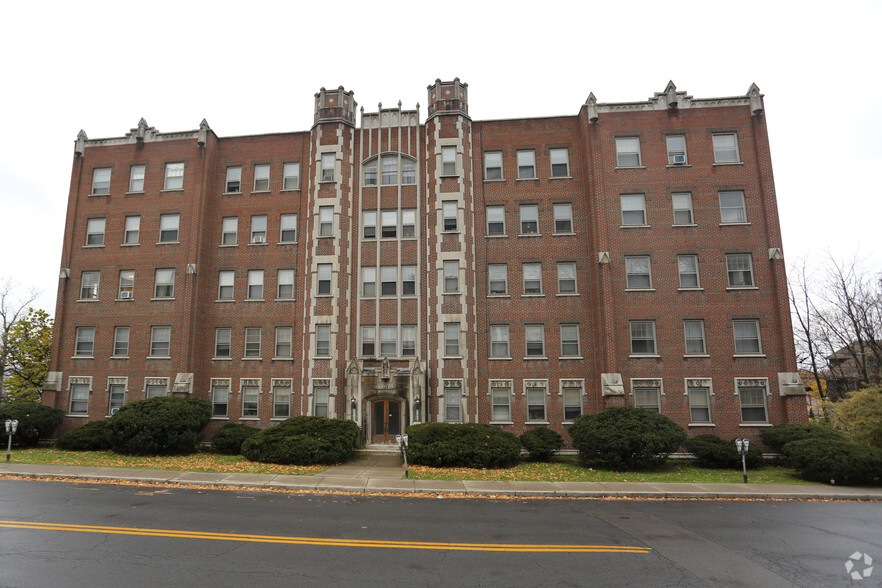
(64, 534)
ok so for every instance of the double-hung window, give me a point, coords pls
(532, 278)
(323, 271)
(225, 284)
(676, 149)
(726, 148)
(408, 340)
(368, 282)
(220, 397)
(448, 161)
(326, 221)
(328, 164)
(234, 180)
(493, 165)
(261, 177)
(164, 283)
(323, 340)
(536, 393)
(250, 400)
(169, 225)
(747, 337)
(390, 170)
(223, 337)
(560, 163)
(499, 341)
(229, 230)
(285, 284)
(682, 205)
(572, 400)
(739, 267)
(95, 231)
(687, 268)
(449, 212)
(647, 396)
(526, 164)
(136, 178)
(408, 280)
(255, 284)
(753, 402)
(388, 280)
(370, 173)
(628, 152)
(117, 394)
(566, 278)
(368, 340)
(288, 228)
(642, 337)
(529, 219)
(563, 218)
(174, 176)
(569, 340)
(89, 285)
(320, 400)
(408, 171)
(253, 336)
(160, 341)
(693, 331)
(79, 398)
(408, 223)
(535, 338)
(85, 344)
(501, 400)
(291, 176)
(633, 210)
(699, 404)
(258, 229)
(369, 224)
(126, 284)
(389, 341)
(451, 339)
(732, 207)
(638, 272)
(389, 224)
(498, 278)
(496, 220)
(121, 342)
(281, 399)
(452, 405)
(133, 230)
(451, 276)
(284, 338)
(101, 181)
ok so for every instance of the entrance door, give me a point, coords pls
(387, 420)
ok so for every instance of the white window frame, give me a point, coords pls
(408, 223)
(85, 342)
(450, 216)
(323, 340)
(388, 341)
(101, 181)
(638, 272)
(453, 404)
(369, 282)
(291, 176)
(699, 392)
(756, 386)
(389, 224)
(174, 176)
(126, 289)
(369, 172)
(452, 336)
(500, 396)
(451, 276)
(560, 162)
(733, 210)
(748, 337)
(497, 273)
(496, 221)
(368, 341)
(288, 228)
(233, 183)
(326, 221)
(258, 229)
(220, 397)
(532, 275)
(408, 280)
(223, 340)
(79, 389)
(160, 340)
(121, 339)
(408, 340)
(137, 174)
(570, 338)
(164, 284)
(535, 390)
(632, 206)
(681, 204)
(448, 160)
(250, 391)
(95, 230)
(369, 224)
(132, 234)
(723, 152)
(324, 279)
(229, 230)
(572, 397)
(493, 166)
(652, 399)
(526, 164)
(694, 337)
(89, 283)
(389, 169)
(529, 218)
(226, 285)
(261, 177)
(328, 167)
(117, 388)
(534, 341)
(563, 218)
(740, 276)
(285, 284)
(388, 280)
(628, 152)
(643, 331)
(500, 342)
(676, 152)
(321, 400)
(281, 389)
(687, 272)
(566, 278)
(255, 285)
(169, 228)
(253, 342)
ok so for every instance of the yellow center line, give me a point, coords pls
(505, 547)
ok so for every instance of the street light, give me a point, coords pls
(11, 428)
(743, 445)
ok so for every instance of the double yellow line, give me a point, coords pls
(503, 547)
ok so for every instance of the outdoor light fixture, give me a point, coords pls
(11, 428)
(743, 445)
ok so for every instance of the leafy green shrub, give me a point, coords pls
(712, 452)
(542, 443)
(624, 437)
(159, 426)
(467, 445)
(90, 437)
(836, 461)
(780, 435)
(303, 440)
(35, 421)
(859, 416)
(229, 438)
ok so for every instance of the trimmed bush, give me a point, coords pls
(35, 421)
(712, 452)
(159, 426)
(542, 443)
(303, 440)
(836, 461)
(90, 437)
(780, 435)
(468, 445)
(229, 438)
(624, 437)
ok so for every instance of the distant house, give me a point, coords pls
(854, 366)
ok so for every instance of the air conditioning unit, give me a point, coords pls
(258, 239)
(125, 295)
(113, 411)
(678, 159)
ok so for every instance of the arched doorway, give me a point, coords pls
(386, 420)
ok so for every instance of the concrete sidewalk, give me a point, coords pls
(385, 473)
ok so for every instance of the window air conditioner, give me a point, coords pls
(113, 411)
(258, 239)
(679, 159)
(125, 295)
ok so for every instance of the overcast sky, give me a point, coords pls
(253, 67)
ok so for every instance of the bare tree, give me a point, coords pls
(809, 356)
(12, 308)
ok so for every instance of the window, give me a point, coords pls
(261, 177)
(451, 339)
(368, 282)
(563, 218)
(285, 284)
(638, 273)
(676, 149)
(726, 148)
(156, 387)
(535, 336)
(693, 331)
(732, 207)
(121, 342)
(532, 278)
(284, 337)
(687, 268)
(79, 398)
(499, 341)
(501, 401)
(174, 176)
(536, 400)
(250, 400)
(324, 278)
(448, 161)
(225, 282)
(569, 340)
(682, 205)
(628, 152)
(389, 224)
(699, 404)
(255, 284)
(223, 342)
(526, 165)
(89, 285)
(369, 222)
(164, 283)
(529, 219)
(747, 337)
(85, 342)
(136, 178)
(388, 280)
(326, 221)
(160, 341)
(566, 278)
(370, 173)
(95, 231)
(288, 228)
(117, 393)
(498, 275)
(368, 341)
(642, 337)
(328, 163)
(390, 169)
(323, 340)
(230, 230)
(408, 280)
(281, 400)
(291, 176)
(493, 165)
(101, 181)
(753, 402)
(389, 341)
(220, 397)
(648, 396)
(408, 223)
(133, 230)
(495, 220)
(258, 228)
(452, 405)
(320, 399)
(126, 284)
(234, 179)
(252, 341)
(739, 266)
(168, 228)
(560, 163)
(408, 340)
(572, 401)
(451, 276)
(633, 210)
(450, 215)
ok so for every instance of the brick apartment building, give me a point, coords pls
(398, 270)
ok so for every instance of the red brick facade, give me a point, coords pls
(515, 272)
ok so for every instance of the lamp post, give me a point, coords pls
(743, 445)
(402, 445)
(11, 428)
